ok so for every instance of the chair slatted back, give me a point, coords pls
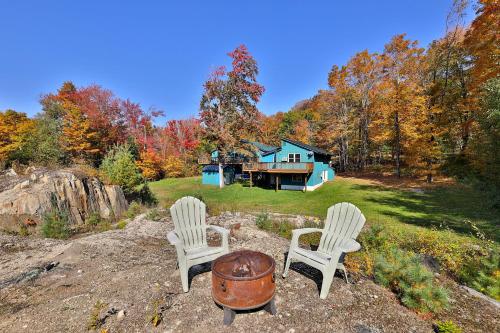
(343, 221)
(189, 214)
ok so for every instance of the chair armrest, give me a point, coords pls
(224, 233)
(349, 245)
(303, 231)
(173, 239)
(296, 233)
(218, 229)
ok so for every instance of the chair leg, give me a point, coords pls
(287, 265)
(325, 286)
(344, 270)
(345, 274)
(184, 270)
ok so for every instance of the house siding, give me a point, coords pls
(288, 148)
(321, 171)
(267, 158)
(210, 178)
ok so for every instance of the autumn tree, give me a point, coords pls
(486, 143)
(90, 120)
(14, 131)
(355, 87)
(179, 143)
(270, 127)
(228, 106)
(401, 110)
(174, 166)
(337, 119)
(150, 165)
(483, 42)
(79, 139)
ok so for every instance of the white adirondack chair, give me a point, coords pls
(190, 236)
(343, 224)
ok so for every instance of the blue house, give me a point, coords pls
(293, 166)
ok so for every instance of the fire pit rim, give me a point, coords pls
(243, 278)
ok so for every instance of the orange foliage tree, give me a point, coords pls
(150, 165)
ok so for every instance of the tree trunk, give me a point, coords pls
(397, 144)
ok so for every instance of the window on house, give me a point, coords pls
(294, 158)
(297, 178)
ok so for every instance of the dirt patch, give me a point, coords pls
(130, 277)
(390, 180)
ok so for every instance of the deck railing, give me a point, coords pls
(223, 160)
(279, 167)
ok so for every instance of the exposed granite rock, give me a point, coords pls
(31, 195)
(133, 271)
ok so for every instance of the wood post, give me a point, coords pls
(250, 178)
(305, 183)
(221, 176)
(277, 182)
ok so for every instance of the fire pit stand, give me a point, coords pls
(229, 313)
(243, 280)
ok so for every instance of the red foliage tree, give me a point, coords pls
(228, 105)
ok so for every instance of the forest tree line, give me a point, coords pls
(408, 109)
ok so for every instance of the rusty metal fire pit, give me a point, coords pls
(243, 280)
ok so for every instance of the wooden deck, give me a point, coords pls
(279, 167)
(224, 160)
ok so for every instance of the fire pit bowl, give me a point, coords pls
(243, 280)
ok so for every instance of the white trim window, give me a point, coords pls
(294, 158)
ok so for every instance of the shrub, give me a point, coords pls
(375, 238)
(94, 219)
(55, 224)
(447, 326)
(483, 274)
(95, 321)
(403, 273)
(155, 214)
(450, 252)
(119, 168)
(146, 196)
(263, 222)
(121, 224)
(134, 209)
(23, 230)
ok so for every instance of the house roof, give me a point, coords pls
(260, 146)
(214, 168)
(308, 147)
(210, 168)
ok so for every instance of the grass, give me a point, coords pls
(454, 224)
(453, 207)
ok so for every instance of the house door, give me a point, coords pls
(325, 175)
(272, 179)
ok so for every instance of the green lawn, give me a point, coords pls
(442, 207)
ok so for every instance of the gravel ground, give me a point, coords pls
(55, 286)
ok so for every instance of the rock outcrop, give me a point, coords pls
(49, 285)
(29, 196)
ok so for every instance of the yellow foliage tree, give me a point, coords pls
(173, 167)
(483, 42)
(402, 110)
(14, 128)
(78, 137)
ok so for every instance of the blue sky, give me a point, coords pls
(159, 53)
